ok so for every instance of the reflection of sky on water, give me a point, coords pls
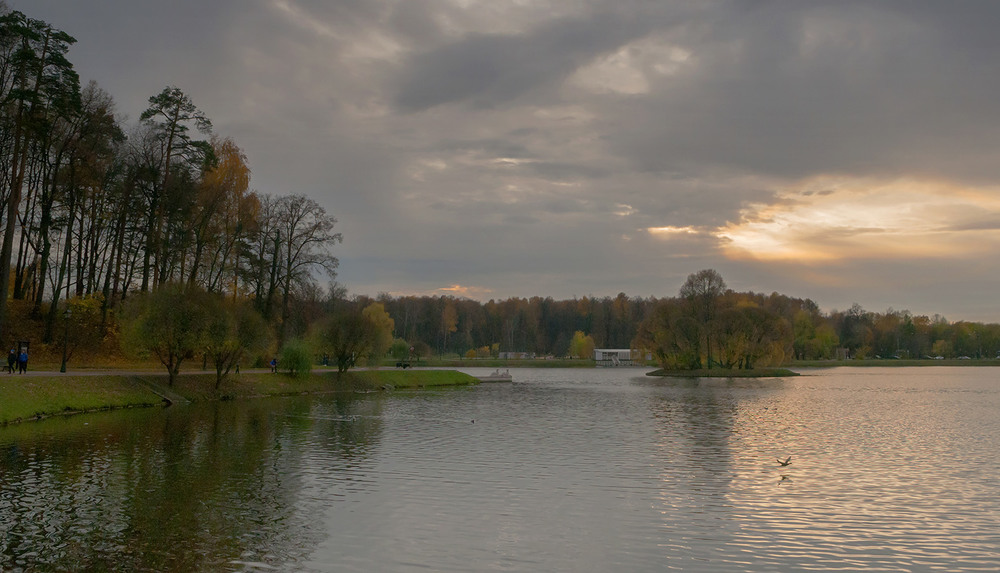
(561, 471)
(881, 474)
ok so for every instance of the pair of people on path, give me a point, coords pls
(20, 359)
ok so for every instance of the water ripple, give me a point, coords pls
(560, 471)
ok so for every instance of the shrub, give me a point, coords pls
(296, 357)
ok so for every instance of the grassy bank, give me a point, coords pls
(719, 373)
(34, 397)
(495, 363)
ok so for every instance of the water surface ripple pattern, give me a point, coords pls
(562, 470)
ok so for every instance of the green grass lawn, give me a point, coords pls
(452, 362)
(199, 386)
(23, 398)
(33, 397)
(410, 378)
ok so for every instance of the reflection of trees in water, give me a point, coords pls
(695, 424)
(699, 421)
(192, 488)
(703, 416)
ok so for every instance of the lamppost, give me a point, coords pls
(66, 316)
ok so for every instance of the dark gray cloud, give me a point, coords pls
(796, 88)
(525, 148)
(486, 70)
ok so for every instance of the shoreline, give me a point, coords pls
(720, 373)
(45, 395)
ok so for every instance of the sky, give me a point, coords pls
(843, 151)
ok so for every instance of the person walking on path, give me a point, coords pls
(274, 365)
(22, 362)
(11, 360)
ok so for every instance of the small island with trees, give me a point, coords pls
(709, 331)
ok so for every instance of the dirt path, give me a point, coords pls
(114, 372)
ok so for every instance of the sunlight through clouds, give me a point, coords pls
(865, 220)
(668, 231)
(464, 291)
(623, 210)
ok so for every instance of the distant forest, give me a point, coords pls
(543, 326)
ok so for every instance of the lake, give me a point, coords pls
(562, 470)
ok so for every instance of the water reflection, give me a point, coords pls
(697, 429)
(561, 471)
(196, 488)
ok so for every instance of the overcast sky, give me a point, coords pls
(841, 151)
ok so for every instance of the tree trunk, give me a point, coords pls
(150, 242)
(63, 268)
(13, 204)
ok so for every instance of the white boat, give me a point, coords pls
(497, 376)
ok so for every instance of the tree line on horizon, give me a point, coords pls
(704, 325)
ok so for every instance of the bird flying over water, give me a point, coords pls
(787, 461)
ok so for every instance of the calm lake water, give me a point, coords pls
(561, 470)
